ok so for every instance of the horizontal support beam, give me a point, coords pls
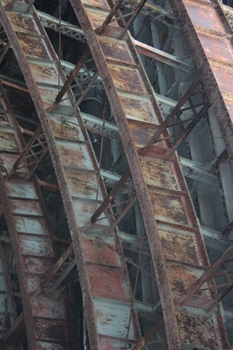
(66, 28)
(162, 56)
(197, 171)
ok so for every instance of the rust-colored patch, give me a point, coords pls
(141, 132)
(179, 247)
(205, 16)
(216, 48)
(158, 172)
(44, 73)
(198, 331)
(138, 109)
(168, 207)
(116, 49)
(128, 79)
(33, 47)
(181, 278)
(107, 283)
(100, 251)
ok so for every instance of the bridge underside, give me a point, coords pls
(116, 178)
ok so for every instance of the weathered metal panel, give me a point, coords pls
(199, 326)
(7, 310)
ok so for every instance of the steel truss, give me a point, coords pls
(157, 177)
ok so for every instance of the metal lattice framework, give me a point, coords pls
(185, 279)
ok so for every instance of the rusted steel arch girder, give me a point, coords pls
(28, 223)
(76, 169)
(209, 36)
(137, 115)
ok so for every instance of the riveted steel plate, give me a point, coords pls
(33, 283)
(51, 330)
(39, 246)
(32, 226)
(34, 47)
(113, 319)
(158, 172)
(202, 330)
(141, 132)
(74, 155)
(83, 185)
(38, 266)
(110, 344)
(22, 25)
(96, 17)
(102, 4)
(100, 250)
(8, 141)
(44, 73)
(179, 247)
(47, 308)
(21, 189)
(116, 49)
(26, 207)
(112, 284)
(168, 207)
(66, 128)
(205, 14)
(217, 48)
(182, 277)
(84, 211)
(128, 79)
(138, 108)
(224, 78)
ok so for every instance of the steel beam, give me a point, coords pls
(162, 56)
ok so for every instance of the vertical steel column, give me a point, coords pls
(176, 244)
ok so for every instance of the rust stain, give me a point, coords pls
(168, 207)
(111, 283)
(128, 79)
(100, 252)
(207, 16)
(200, 331)
(33, 47)
(179, 247)
(158, 172)
(116, 49)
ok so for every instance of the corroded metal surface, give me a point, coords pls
(7, 307)
(209, 36)
(108, 303)
(31, 240)
(165, 203)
